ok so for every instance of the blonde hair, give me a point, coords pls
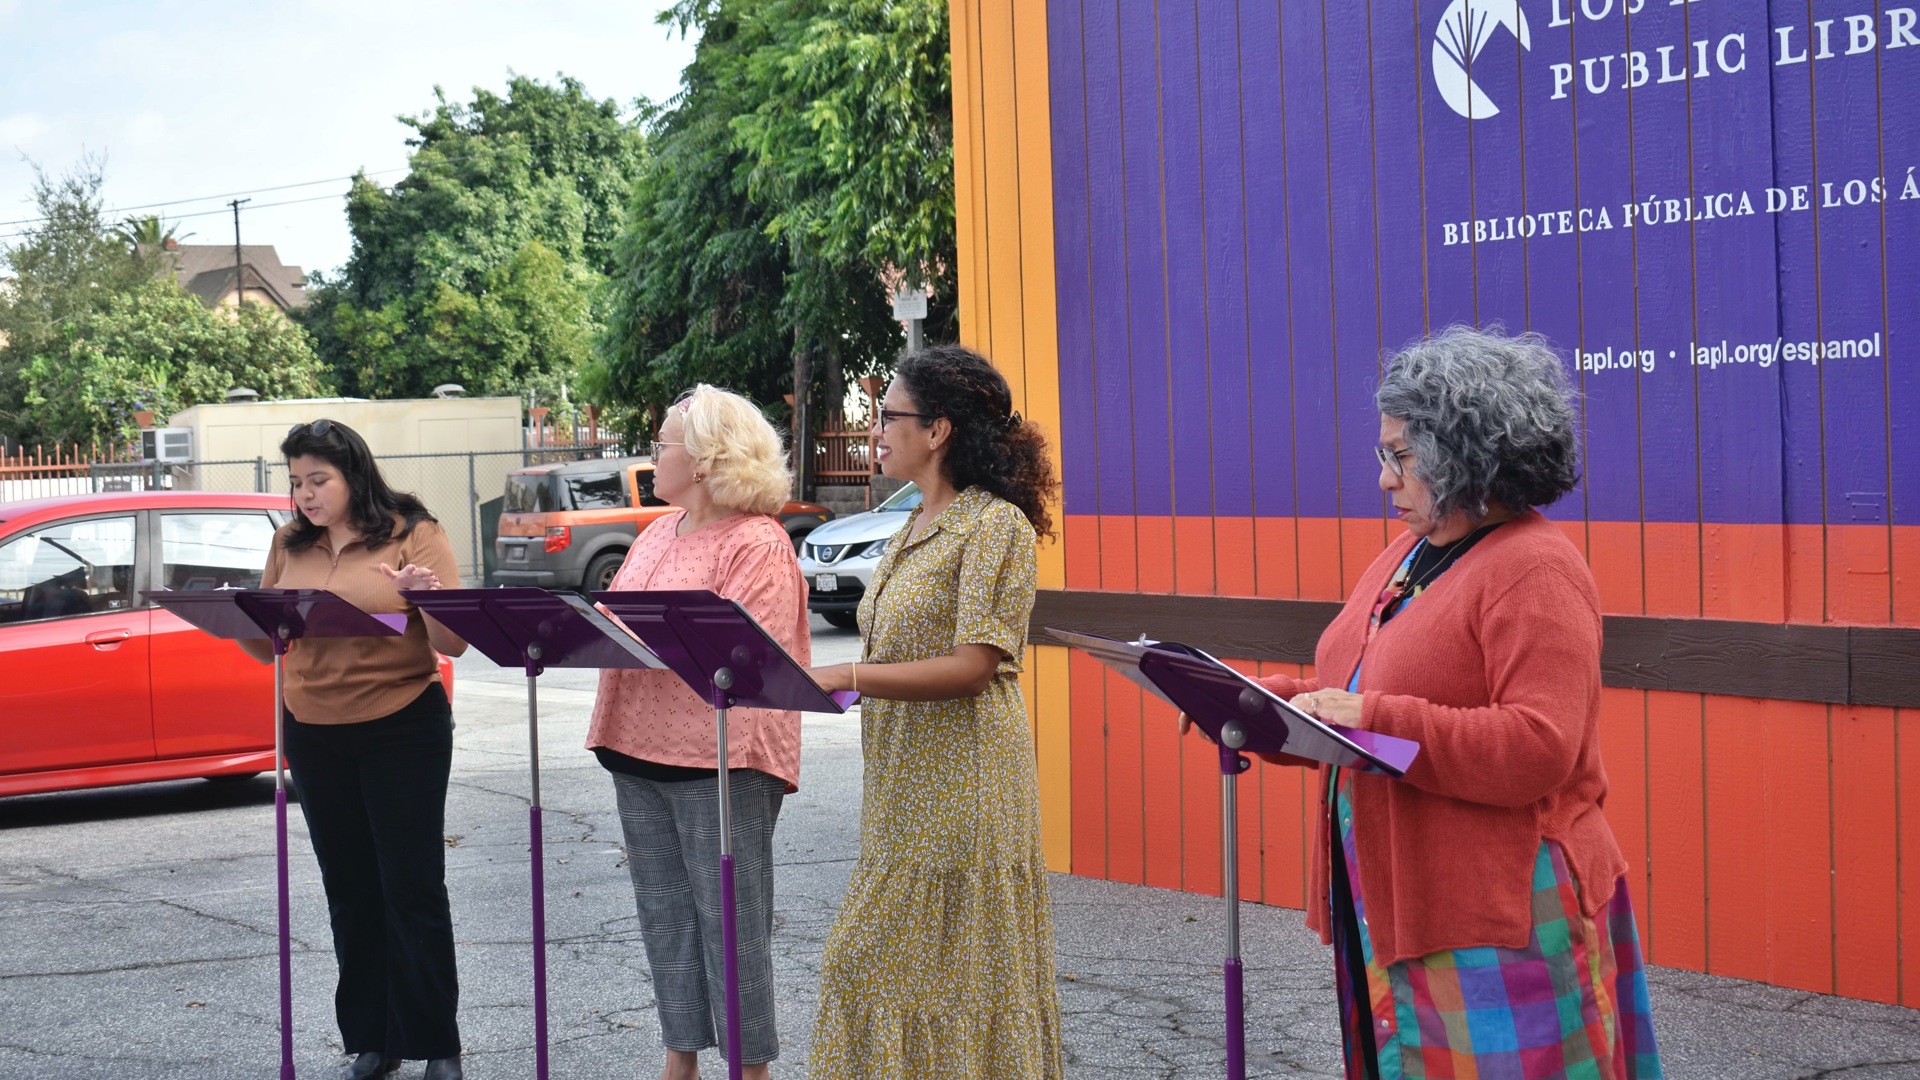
(730, 441)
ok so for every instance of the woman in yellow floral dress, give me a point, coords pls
(941, 960)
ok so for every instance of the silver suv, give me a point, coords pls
(838, 557)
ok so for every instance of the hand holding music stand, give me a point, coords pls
(723, 654)
(534, 629)
(283, 616)
(1239, 714)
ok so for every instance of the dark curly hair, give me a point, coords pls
(1490, 418)
(370, 502)
(992, 446)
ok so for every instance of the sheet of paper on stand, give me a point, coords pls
(1211, 693)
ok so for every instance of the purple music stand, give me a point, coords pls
(282, 616)
(728, 659)
(534, 629)
(1239, 715)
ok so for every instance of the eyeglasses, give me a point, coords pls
(319, 428)
(888, 416)
(1393, 459)
(654, 448)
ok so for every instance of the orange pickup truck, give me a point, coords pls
(569, 525)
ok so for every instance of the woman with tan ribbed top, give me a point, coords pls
(369, 740)
(1477, 907)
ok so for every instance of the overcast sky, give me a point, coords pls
(202, 101)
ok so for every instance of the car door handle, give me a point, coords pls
(107, 639)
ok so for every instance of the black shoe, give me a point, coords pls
(443, 1069)
(368, 1065)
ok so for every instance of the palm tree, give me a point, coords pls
(148, 232)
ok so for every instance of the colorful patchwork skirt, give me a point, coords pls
(1573, 1003)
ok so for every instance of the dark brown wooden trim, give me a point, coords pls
(1858, 665)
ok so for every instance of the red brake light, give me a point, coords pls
(558, 537)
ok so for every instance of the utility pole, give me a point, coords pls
(239, 292)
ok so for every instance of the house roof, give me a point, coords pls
(207, 272)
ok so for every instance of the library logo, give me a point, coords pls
(1464, 30)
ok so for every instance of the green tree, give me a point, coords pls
(852, 139)
(67, 267)
(149, 231)
(156, 347)
(481, 266)
(726, 274)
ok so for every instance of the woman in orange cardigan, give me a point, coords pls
(1478, 906)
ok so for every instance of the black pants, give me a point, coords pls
(375, 798)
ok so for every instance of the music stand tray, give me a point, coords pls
(718, 649)
(534, 629)
(1241, 717)
(281, 616)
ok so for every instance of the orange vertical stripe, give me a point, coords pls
(1615, 558)
(967, 196)
(1119, 568)
(1080, 537)
(1126, 796)
(1361, 540)
(1806, 573)
(1798, 830)
(1743, 570)
(1161, 780)
(1276, 561)
(1623, 752)
(1200, 868)
(1859, 586)
(1320, 559)
(1906, 575)
(1865, 882)
(1906, 835)
(1676, 900)
(1673, 567)
(1089, 748)
(1155, 553)
(1193, 555)
(1737, 841)
(1233, 556)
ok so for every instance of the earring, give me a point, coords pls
(699, 478)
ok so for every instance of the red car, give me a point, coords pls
(99, 687)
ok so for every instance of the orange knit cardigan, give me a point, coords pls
(1495, 671)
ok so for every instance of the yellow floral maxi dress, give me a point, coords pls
(940, 963)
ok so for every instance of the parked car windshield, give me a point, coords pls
(905, 499)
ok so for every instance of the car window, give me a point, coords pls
(214, 550)
(527, 493)
(643, 481)
(905, 499)
(594, 491)
(68, 568)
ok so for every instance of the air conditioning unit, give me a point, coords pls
(166, 444)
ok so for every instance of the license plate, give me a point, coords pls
(827, 583)
(517, 553)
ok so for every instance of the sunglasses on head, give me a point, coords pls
(319, 428)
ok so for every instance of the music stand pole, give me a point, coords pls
(539, 879)
(1232, 764)
(729, 935)
(280, 639)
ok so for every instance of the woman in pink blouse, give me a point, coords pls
(722, 464)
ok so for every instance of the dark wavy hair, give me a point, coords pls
(992, 446)
(1490, 418)
(371, 504)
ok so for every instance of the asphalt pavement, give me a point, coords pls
(137, 936)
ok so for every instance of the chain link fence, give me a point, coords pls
(463, 490)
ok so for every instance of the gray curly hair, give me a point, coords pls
(1490, 418)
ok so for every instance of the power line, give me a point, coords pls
(110, 212)
(222, 210)
(208, 198)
